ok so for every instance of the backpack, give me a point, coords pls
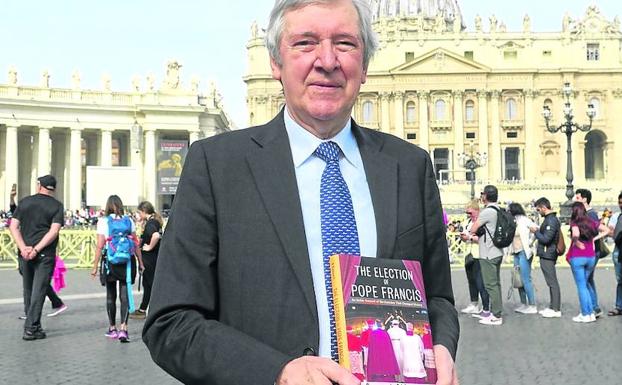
(504, 230)
(120, 245)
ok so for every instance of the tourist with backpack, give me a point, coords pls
(491, 252)
(548, 236)
(150, 244)
(116, 238)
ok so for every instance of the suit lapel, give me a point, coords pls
(273, 170)
(381, 172)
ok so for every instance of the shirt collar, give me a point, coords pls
(303, 143)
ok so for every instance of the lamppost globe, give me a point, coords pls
(472, 161)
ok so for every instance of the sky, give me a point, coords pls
(123, 38)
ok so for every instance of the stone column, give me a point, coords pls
(424, 134)
(532, 148)
(105, 151)
(385, 117)
(193, 136)
(136, 162)
(495, 128)
(10, 163)
(398, 100)
(458, 127)
(75, 170)
(150, 165)
(615, 171)
(43, 161)
(482, 117)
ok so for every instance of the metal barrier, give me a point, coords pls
(77, 249)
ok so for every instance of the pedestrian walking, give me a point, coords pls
(547, 236)
(35, 226)
(581, 256)
(472, 265)
(490, 255)
(150, 245)
(523, 256)
(615, 230)
(115, 232)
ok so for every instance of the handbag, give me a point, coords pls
(517, 281)
(602, 250)
(469, 260)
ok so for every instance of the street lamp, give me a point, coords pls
(471, 161)
(568, 127)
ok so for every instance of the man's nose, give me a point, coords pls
(326, 56)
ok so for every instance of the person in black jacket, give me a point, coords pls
(547, 236)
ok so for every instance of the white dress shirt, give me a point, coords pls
(309, 169)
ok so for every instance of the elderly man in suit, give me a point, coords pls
(240, 292)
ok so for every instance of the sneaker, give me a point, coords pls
(482, 314)
(30, 335)
(57, 311)
(597, 312)
(545, 310)
(22, 317)
(492, 321)
(138, 314)
(112, 334)
(584, 318)
(521, 308)
(533, 309)
(550, 313)
(123, 336)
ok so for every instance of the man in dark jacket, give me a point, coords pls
(547, 236)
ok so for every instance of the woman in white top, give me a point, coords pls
(523, 257)
(117, 273)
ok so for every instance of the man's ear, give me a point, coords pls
(364, 76)
(276, 69)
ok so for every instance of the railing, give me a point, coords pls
(77, 249)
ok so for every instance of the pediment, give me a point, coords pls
(509, 45)
(439, 60)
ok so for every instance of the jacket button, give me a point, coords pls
(309, 352)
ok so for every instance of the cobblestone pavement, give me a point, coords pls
(527, 349)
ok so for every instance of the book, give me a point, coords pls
(382, 323)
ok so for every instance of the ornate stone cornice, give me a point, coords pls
(482, 94)
(385, 96)
(423, 95)
(398, 94)
(495, 94)
(531, 93)
(458, 94)
(617, 93)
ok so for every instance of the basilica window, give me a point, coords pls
(512, 166)
(469, 111)
(510, 109)
(440, 109)
(596, 103)
(441, 162)
(593, 52)
(368, 111)
(410, 113)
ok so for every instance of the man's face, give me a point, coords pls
(321, 65)
(540, 210)
(579, 198)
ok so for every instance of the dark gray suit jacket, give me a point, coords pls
(233, 297)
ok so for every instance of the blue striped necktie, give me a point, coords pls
(339, 234)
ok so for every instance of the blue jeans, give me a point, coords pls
(618, 270)
(582, 267)
(527, 295)
(591, 286)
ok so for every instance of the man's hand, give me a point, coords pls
(25, 252)
(445, 369)
(315, 371)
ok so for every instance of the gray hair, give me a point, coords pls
(277, 20)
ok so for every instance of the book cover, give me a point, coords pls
(383, 329)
